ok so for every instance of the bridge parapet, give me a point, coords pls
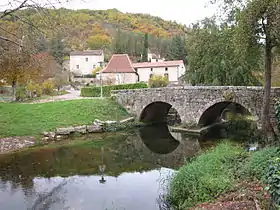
(191, 102)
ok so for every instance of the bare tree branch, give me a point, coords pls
(10, 11)
(9, 40)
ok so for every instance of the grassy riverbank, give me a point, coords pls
(218, 172)
(31, 119)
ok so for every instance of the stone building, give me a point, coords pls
(171, 69)
(118, 71)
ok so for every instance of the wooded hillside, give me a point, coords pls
(95, 29)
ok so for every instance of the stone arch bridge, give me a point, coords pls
(194, 104)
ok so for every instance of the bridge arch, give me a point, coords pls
(157, 112)
(213, 110)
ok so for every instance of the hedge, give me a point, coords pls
(95, 91)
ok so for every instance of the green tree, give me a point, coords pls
(214, 58)
(177, 49)
(58, 49)
(145, 49)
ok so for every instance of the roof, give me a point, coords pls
(87, 52)
(158, 64)
(119, 63)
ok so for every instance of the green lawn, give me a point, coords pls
(31, 119)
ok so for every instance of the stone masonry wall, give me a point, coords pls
(192, 101)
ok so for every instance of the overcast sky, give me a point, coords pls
(182, 11)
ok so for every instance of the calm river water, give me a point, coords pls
(136, 164)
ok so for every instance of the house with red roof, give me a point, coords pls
(119, 70)
(174, 70)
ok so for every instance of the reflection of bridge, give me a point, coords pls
(195, 104)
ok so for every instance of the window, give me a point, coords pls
(77, 66)
(156, 60)
(166, 75)
(151, 69)
(94, 66)
(166, 69)
(151, 75)
(86, 59)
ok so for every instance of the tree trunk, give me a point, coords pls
(14, 98)
(266, 127)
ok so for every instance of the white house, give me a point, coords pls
(171, 69)
(84, 62)
(118, 71)
(152, 57)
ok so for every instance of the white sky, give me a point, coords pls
(182, 11)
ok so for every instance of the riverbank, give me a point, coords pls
(21, 122)
(32, 119)
(226, 176)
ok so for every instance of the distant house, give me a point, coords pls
(119, 71)
(153, 57)
(84, 62)
(171, 69)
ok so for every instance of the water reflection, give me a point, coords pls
(158, 138)
(134, 165)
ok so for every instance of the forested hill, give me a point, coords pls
(95, 29)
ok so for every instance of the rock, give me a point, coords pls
(58, 137)
(98, 122)
(131, 119)
(110, 122)
(45, 139)
(50, 135)
(81, 129)
(65, 131)
(94, 129)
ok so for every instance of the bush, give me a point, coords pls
(273, 179)
(158, 81)
(95, 91)
(33, 90)
(48, 87)
(258, 162)
(21, 93)
(204, 177)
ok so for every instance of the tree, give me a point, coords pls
(18, 67)
(214, 58)
(145, 49)
(259, 21)
(58, 49)
(177, 49)
(61, 79)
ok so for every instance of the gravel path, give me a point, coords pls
(72, 95)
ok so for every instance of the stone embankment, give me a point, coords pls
(97, 126)
(15, 143)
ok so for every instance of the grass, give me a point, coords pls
(204, 177)
(218, 171)
(32, 119)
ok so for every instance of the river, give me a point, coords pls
(137, 165)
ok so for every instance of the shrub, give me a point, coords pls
(95, 91)
(205, 177)
(273, 179)
(94, 72)
(21, 93)
(258, 162)
(48, 87)
(158, 81)
(33, 90)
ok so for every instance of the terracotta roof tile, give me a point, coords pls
(119, 63)
(158, 64)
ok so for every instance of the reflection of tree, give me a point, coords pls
(45, 200)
